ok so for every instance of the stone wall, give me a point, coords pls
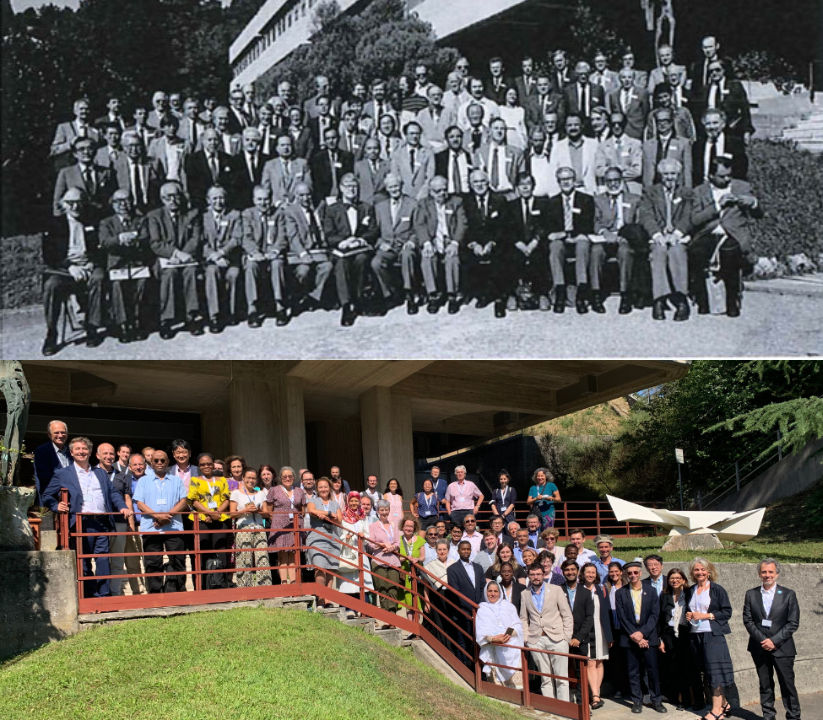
(38, 599)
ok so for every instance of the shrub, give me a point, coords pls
(20, 271)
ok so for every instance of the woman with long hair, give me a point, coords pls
(413, 552)
(542, 496)
(324, 550)
(425, 506)
(234, 466)
(505, 555)
(246, 505)
(616, 670)
(394, 496)
(599, 649)
(337, 492)
(504, 498)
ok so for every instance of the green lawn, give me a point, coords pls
(248, 664)
(751, 551)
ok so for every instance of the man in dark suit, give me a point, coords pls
(638, 611)
(222, 238)
(717, 141)
(113, 115)
(247, 168)
(699, 76)
(237, 118)
(581, 97)
(722, 211)
(328, 166)
(526, 223)
(665, 213)
(545, 99)
(771, 616)
(656, 579)
(485, 243)
(128, 259)
(454, 163)
(72, 266)
(467, 578)
(138, 174)
(561, 74)
(352, 139)
(176, 238)
(89, 492)
(50, 456)
(322, 121)
(207, 167)
(371, 171)
(95, 181)
(350, 228)
(497, 84)
(570, 222)
(582, 605)
(526, 82)
(730, 97)
(440, 227)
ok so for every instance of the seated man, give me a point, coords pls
(395, 243)
(128, 259)
(306, 249)
(222, 239)
(526, 218)
(176, 238)
(70, 256)
(440, 227)
(89, 492)
(665, 213)
(570, 222)
(95, 181)
(262, 254)
(350, 228)
(722, 210)
(617, 233)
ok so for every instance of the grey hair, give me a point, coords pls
(768, 561)
(669, 163)
(548, 473)
(48, 427)
(460, 467)
(382, 504)
(284, 468)
(439, 542)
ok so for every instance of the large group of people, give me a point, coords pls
(511, 191)
(492, 591)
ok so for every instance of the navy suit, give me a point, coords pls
(638, 658)
(45, 463)
(96, 544)
(458, 579)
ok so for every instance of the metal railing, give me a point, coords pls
(443, 618)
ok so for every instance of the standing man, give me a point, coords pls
(582, 606)
(577, 537)
(730, 97)
(548, 624)
(158, 500)
(123, 455)
(656, 579)
(771, 616)
(413, 163)
(138, 174)
(604, 545)
(582, 97)
(334, 471)
(454, 162)
(440, 486)
(533, 531)
(89, 492)
(328, 166)
(105, 460)
(638, 611)
(125, 483)
(371, 171)
(372, 491)
(502, 163)
(462, 497)
(632, 101)
(284, 172)
(50, 456)
(467, 578)
(94, 180)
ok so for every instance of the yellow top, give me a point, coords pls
(205, 492)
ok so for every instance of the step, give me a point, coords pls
(392, 637)
(121, 615)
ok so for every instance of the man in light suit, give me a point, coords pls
(67, 132)
(602, 75)
(395, 242)
(641, 78)
(620, 151)
(581, 97)
(476, 135)
(191, 128)
(176, 238)
(722, 212)
(95, 181)
(89, 492)
(370, 173)
(666, 66)
(50, 456)
(222, 239)
(477, 97)
(665, 213)
(683, 121)
(666, 146)
(160, 108)
(468, 579)
(282, 173)
(413, 163)
(144, 131)
(435, 120)
(440, 227)
(502, 163)
(138, 174)
(263, 257)
(170, 151)
(547, 625)
(771, 616)
(230, 142)
(579, 152)
(113, 115)
(630, 100)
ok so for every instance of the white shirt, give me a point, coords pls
(720, 146)
(543, 177)
(77, 238)
(503, 182)
(93, 501)
(463, 171)
(62, 457)
(768, 598)
(442, 235)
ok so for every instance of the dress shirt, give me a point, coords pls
(461, 496)
(454, 555)
(603, 568)
(161, 496)
(498, 152)
(542, 173)
(77, 238)
(533, 538)
(227, 143)
(476, 541)
(657, 585)
(572, 594)
(174, 155)
(442, 235)
(518, 556)
(637, 599)
(538, 597)
(93, 501)
(470, 572)
(576, 157)
(719, 149)
(62, 456)
(768, 599)
(460, 173)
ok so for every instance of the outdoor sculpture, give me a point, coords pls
(692, 529)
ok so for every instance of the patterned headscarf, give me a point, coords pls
(349, 515)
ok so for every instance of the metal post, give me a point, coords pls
(298, 570)
(524, 669)
(737, 473)
(699, 499)
(680, 486)
(198, 578)
(78, 550)
(478, 668)
(360, 564)
(779, 447)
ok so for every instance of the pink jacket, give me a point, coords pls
(378, 534)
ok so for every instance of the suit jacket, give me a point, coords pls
(679, 149)
(555, 621)
(597, 98)
(101, 122)
(164, 238)
(537, 106)
(303, 144)
(719, 605)
(469, 141)
(337, 228)
(98, 195)
(582, 214)
(605, 218)
(118, 255)
(648, 582)
(282, 186)
(352, 142)
(513, 166)
(649, 615)
(434, 130)
(372, 184)
(608, 80)
(146, 133)
(295, 237)
(65, 134)
(732, 145)
(67, 478)
(402, 230)
(199, 175)
(734, 101)
(238, 120)
(45, 463)
(658, 75)
(310, 106)
(121, 484)
(103, 157)
(561, 157)
(734, 220)
(636, 111)
(684, 126)
(259, 235)
(458, 579)
(498, 94)
(321, 172)
(582, 613)
(425, 221)
(243, 183)
(158, 150)
(525, 89)
(784, 616)
(415, 182)
(519, 230)
(629, 159)
(483, 229)
(441, 165)
(151, 179)
(192, 138)
(653, 210)
(317, 134)
(696, 71)
(225, 237)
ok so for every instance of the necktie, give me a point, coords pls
(477, 136)
(624, 100)
(712, 153)
(82, 131)
(386, 150)
(215, 168)
(193, 132)
(373, 166)
(135, 184)
(526, 217)
(287, 170)
(495, 174)
(269, 229)
(252, 166)
(333, 159)
(669, 226)
(617, 211)
(568, 215)
(411, 159)
(314, 228)
(395, 206)
(88, 180)
(173, 216)
(584, 101)
(457, 186)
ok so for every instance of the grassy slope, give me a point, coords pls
(247, 664)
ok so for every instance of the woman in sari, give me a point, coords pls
(495, 617)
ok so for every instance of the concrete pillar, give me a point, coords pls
(387, 437)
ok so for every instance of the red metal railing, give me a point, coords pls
(440, 628)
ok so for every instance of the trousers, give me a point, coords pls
(436, 268)
(311, 277)
(254, 274)
(666, 260)
(126, 565)
(56, 290)
(219, 282)
(559, 250)
(383, 266)
(350, 277)
(767, 664)
(128, 301)
(173, 283)
(639, 660)
(554, 665)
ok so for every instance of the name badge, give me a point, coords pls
(677, 200)
(576, 211)
(494, 214)
(88, 228)
(224, 223)
(338, 165)
(270, 223)
(405, 219)
(766, 623)
(127, 236)
(331, 200)
(161, 501)
(212, 505)
(535, 212)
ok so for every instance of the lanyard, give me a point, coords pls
(503, 492)
(409, 548)
(429, 503)
(390, 532)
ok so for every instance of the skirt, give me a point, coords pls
(321, 559)
(712, 656)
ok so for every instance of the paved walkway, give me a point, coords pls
(780, 318)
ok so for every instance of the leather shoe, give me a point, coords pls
(659, 707)
(139, 334)
(658, 311)
(433, 306)
(582, 307)
(93, 337)
(597, 303)
(349, 315)
(215, 326)
(681, 312)
(281, 318)
(255, 320)
(50, 345)
(543, 303)
(560, 299)
(166, 331)
(411, 305)
(124, 333)
(637, 708)
(195, 327)
(482, 302)
(625, 304)
(500, 309)
(454, 306)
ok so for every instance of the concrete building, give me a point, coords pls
(365, 416)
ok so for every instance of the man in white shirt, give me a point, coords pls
(470, 533)
(577, 537)
(490, 108)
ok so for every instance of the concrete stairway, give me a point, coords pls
(808, 133)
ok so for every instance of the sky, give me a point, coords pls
(21, 5)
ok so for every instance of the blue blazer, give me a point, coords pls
(45, 463)
(718, 604)
(67, 478)
(649, 615)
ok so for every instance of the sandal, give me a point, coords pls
(598, 704)
(716, 717)
(727, 710)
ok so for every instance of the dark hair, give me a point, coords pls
(535, 566)
(463, 542)
(247, 469)
(506, 563)
(652, 557)
(544, 554)
(717, 161)
(204, 455)
(399, 489)
(577, 531)
(274, 477)
(180, 444)
(609, 584)
(588, 565)
(569, 563)
(124, 445)
(668, 588)
(229, 460)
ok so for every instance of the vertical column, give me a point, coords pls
(387, 437)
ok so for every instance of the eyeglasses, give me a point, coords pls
(632, 574)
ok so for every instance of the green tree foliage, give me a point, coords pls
(382, 42)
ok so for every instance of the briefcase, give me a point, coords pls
(140, 272)
(314, 256)
(350, 253)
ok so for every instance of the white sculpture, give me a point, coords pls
(725, 525)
